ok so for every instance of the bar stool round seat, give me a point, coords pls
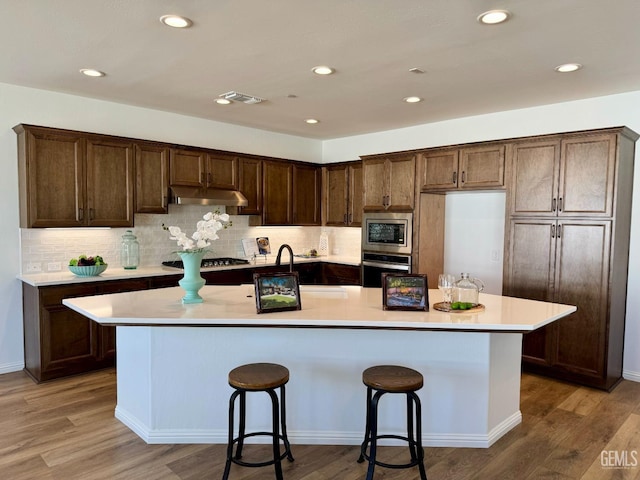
(258, 377)
(393, 379)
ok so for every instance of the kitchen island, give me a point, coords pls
(173, 361)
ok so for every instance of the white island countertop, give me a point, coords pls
(322, 307)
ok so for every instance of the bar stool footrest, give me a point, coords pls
(285, 454)
(412, 444)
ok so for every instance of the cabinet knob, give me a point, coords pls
(345, 218)
(463, 176)
(553, 231)
(80, 214)
(560, 204)
(559, 231)
(454, 177)
(553, 205)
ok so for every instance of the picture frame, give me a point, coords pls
(405, 291)
(264, 248)
(277, 292)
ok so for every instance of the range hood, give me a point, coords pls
(210, 196)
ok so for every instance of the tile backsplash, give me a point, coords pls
(42, 247)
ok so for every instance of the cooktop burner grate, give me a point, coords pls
(209, 262)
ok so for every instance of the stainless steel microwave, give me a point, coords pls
(387, 232)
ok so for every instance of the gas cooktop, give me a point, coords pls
(209, 262)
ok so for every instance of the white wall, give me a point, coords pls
(474, 237)
(601, 112)
(38, 107)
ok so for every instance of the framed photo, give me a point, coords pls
(405, 291)
(276, 292)
(264, 248)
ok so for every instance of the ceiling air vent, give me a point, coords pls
(242, 97)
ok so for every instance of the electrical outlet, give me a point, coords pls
(34, 267)
(54, 266)
(495, 256)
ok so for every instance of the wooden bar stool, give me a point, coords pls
(393, 379)
(258, 377)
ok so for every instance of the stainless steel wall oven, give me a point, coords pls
(386, 245)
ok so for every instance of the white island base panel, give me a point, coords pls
(172, 382)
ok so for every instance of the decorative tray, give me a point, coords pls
(446, 307)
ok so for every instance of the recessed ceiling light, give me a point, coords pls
(222, 101)
(493, 16)
(568, 67)
(412, 99)
(323, 70)
(176, 21)
(312, 121)
(91, 72)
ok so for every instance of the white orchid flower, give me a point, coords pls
(206, 230)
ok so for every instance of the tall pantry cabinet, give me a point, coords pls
(567, 241)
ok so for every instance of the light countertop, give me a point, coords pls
(118, 273)
(322, 306)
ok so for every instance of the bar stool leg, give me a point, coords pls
(283, 419)
(242, 423)
(276, 433)
(420, 450)
(374, 434)
(367, 428)
(227, 465)
(412, 441)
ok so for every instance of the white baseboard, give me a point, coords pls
(11, 367)
(316, 438)
(629, 375)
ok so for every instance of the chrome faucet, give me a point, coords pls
(283, 246)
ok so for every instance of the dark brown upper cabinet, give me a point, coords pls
(469, 168)
(343, 194)
(73, 179)
(152, 183)
(388, 182)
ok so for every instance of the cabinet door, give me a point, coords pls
(375, 184)
(530, 274)
(401, 173)
(336, 190)
(582, 279)
(222, 171)
(277, 181)
(250, 184)
(68, 340)
(587, 176)
(534, 179)
(439, 170)
(187, 168)
(306, 195)
(151, 178)
(481, 167)
(354, 205)
(52, 170)
(109, 183)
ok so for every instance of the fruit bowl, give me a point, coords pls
(87, 270)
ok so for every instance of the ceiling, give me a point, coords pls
(267, 49)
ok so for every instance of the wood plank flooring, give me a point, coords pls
(65, 430)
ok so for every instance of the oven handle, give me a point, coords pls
(390, 266)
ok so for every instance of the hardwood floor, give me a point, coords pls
(65, 430)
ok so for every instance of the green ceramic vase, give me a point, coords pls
(192, 282)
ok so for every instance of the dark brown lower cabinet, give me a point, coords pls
(570, 261)
(59, 342)
(339, 274)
